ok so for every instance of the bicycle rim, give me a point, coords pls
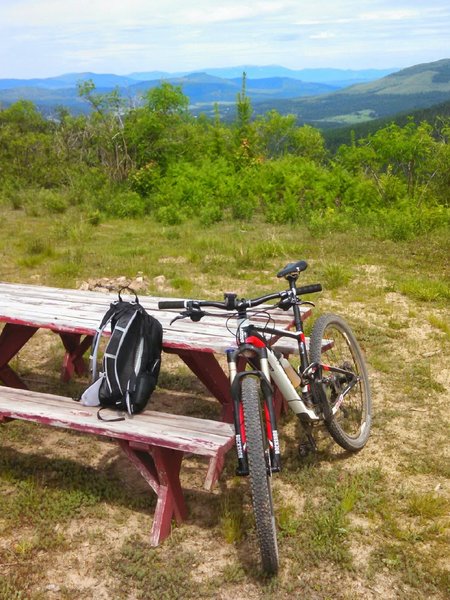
(259, 476)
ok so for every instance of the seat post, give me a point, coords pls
(292, 279)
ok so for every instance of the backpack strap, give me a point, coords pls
(100, 418)
(136, 299)
(96, 340)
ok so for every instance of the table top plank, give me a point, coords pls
(80, 311)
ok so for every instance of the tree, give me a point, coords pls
(105, 129)
(167, 99)
(161, 129)
(26, 149)
(279, 135)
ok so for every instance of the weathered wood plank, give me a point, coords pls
(13, 296)
(76, 311)
(189, 434)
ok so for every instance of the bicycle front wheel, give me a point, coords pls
(350, 402)
(259, 474)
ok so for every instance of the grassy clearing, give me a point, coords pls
(75, 518)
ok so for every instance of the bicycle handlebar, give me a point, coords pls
(163, 304)
(234, 303)
(309, 289)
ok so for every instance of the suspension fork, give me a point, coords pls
(253, 352)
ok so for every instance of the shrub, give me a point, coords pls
(210, 213)
(52, 200)
(405, 220)
(126, 204)
(170, 215)
(145, 179)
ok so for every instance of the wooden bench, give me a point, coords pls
(154, 442)
(74, 315)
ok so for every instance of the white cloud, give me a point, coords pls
(389, 15)
(45, 37)
(322, 35)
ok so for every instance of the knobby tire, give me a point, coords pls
(350, 425)
(259, 476)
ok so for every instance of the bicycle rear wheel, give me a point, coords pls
(259, 474)
(350, 424)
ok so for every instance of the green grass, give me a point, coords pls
(428, 506)
(425, 290)
(341, 518)
(439, 323)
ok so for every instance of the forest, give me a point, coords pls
(157, 159)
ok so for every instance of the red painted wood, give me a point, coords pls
(160, 467)
(207, 368)
(74, 313)
(73, 359)
(143, 462)
(12, 339)
(168, 464)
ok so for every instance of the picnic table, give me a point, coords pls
(154, 442)
(74, 315)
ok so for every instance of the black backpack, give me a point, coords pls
(131, 361)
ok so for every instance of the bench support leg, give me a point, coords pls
(160, 467)
(12, 339)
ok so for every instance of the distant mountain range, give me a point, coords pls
(206, 88)
(410, 89)
(337, 78)
(323, 97)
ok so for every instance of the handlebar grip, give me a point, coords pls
(309, 289)
(162, 304)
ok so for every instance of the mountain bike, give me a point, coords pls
(330, 386)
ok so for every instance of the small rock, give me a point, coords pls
(159, 281)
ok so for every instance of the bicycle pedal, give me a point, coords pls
(306, 449)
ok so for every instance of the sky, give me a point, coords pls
(45, 38)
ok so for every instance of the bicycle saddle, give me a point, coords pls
(293, 269)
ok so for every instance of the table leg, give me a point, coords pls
(12, 339)
(160, 467)
(73, 359)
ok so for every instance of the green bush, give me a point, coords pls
(170, 215)
(126, 204)
(145, 179)
(405, 220)
(210, 213)
(53, 201)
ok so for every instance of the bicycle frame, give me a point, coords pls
(253, 348)
(266, 367)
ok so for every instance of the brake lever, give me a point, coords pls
(287, 303)
(194, 315)
(182, 315)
